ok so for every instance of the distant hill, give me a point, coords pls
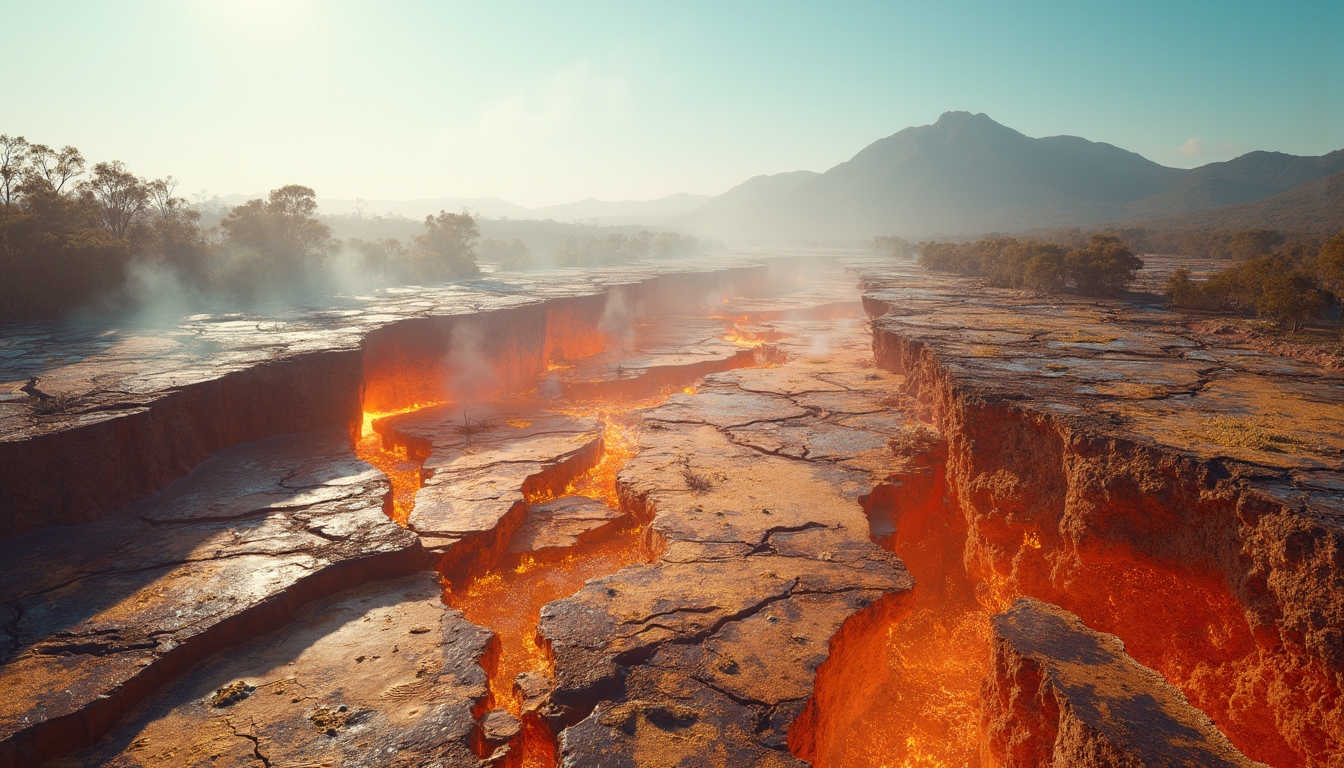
(752, 200)
(606, 213)
(622, 211)
(966, 175)
(1315, 207)
(1253, 176)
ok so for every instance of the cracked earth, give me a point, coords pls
(821, 512)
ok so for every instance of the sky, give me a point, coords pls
(548, 102)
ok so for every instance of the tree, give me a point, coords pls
(119, 196)
(54, 253)
(13, 161)
(1104, 268)
(1238, 289)
(445, 250)
(378, 258)
(1183, 292)
(1329, 264)
(895, 247)
(57, 168)
(1292, 299)
(1250, 243)
(1042, 268)
(161, 197)
(281, 230)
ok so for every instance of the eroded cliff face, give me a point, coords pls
(116, 450)
(1174, 493)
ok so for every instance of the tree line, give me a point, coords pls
(617, 248)
(1234, 245)
(1292, 283)
(1103, 266)
(73, 236)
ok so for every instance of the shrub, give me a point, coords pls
(1104, 268)
(1292, 300)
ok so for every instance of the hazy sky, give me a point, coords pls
(551, 102)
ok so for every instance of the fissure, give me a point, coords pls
(759, 516)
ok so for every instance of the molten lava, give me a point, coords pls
(905, 693)
(509, 597)
(509, 600)
(402, 469)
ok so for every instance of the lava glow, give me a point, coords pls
(402, 471)
(510, 597)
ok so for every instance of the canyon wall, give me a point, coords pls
(1226, 576)
(104, 459)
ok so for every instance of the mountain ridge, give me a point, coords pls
(967, 174)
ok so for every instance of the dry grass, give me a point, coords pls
(1255, 434)
(471, 427)
(695, 482)
(231, 694)
(330, 719)
(51, 406)
(914, 441)
(1082, 337)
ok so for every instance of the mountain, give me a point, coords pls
(1315, 207)
(622, 211)
(1253, 176)
(751, 200)
(966, 175)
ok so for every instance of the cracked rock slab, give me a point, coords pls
(100, 614)
(708, 654)
(562, 524)
(380, 675)
(1062, 694)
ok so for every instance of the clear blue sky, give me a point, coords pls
(550, 102)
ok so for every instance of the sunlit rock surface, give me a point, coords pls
(709, 518)
(99, 615)
(1061, 694)
(379, 675)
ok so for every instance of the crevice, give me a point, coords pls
(256, 742)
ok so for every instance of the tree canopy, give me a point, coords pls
(1291, 285)
(71, 236)
(1103, 267)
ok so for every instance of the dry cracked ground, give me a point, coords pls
(829, 511)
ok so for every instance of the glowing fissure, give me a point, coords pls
(922, 705)
(505, 591)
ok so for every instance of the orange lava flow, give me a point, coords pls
(402, 470)
(907, 695)
(509, 599)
